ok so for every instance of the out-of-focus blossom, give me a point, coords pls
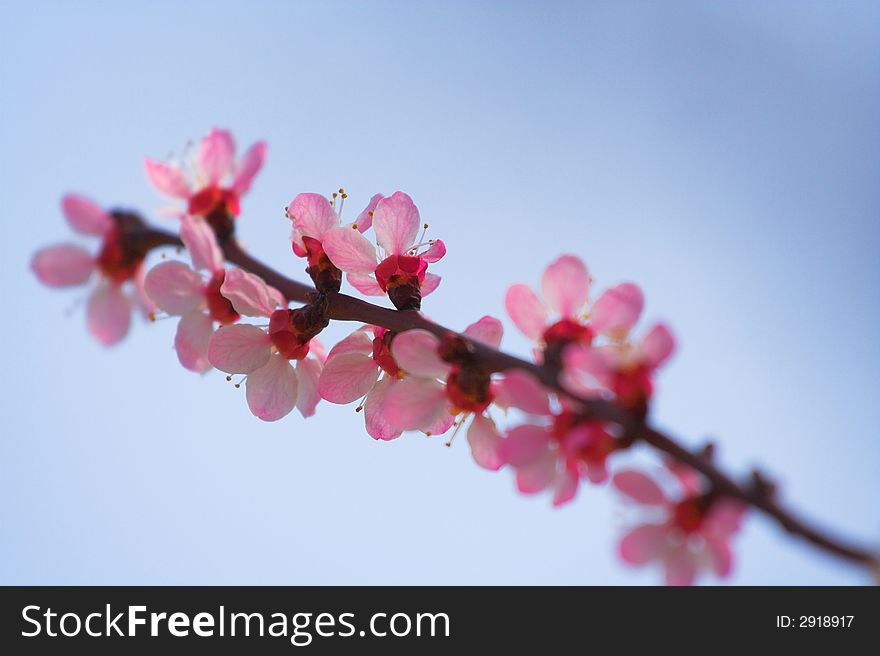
(443, 382)
(119, 261)
(313, 216)
(399, 267)
(182, 291)
(686, 533)
(213, 181)
(274, 386)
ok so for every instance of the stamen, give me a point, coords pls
(238, 384)
(363, 402)
(455, 432)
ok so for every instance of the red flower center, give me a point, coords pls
(219, 306)
(285, 337)
(382, 352)
(689, 514)
(219, 207)
(469, 389)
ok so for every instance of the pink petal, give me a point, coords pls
(377, 424)
(485, 443)
(175, 288)
(63, 266)
(312, 216)
(365, 218)
(144, 303)
(720, 556)
(657, 346)
(192, 339)
(585, 367)
(365, 284)
(168, 180)
(348, 377)
(359, 341)
(416, 353)
(565, 285)
(639, 488)
(436, 252)
(239, 348)
(617, 310)
(537, 475)
(248, 167)
(519, 389)
(317, 350)
(487, 330)
(349, 250)
(681, 566)
(201, 242)
(429, 284)
(249, 295)
(308, 372)
(216, 155)
(442, 423)
(272, 389)
(108, 314)
(526, 310)
(566, 487)
(644, 543)
(396, 223)
(525, 445)
(414, 403)
(85, 216)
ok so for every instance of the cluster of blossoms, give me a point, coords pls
(425, 379)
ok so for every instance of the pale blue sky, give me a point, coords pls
(723, 155)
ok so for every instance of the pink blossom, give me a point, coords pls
(274, 386)
(439, 391)
(691, 531)
(183, 291)
(313, 216)
(399, 267)
(361, 366)
(625, 369)
(119, 260)
(214, 182)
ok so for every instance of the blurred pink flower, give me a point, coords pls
(693, 533)
(119, 260)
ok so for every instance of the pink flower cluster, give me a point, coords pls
(429, 380)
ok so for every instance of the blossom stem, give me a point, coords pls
(343, 307)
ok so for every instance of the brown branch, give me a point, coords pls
(347, 308)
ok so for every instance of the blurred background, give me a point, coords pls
(723, 155)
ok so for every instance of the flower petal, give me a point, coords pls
(272, 389)
(429, 284)
(644, 543)
(63, 266)
(248, 167)
(239, 348)
(175, 288)
(248, 293)
(396, 223)
(485, 443)
(617, 310)
(436, 252)
(377, 424)
(349, 250)
(639, 487)
(168, 180)
(565, 284)
(216, 155)
(192, 339)
(526, 310)
(487, 330)
(365, 218)
(681, 566)
(360, 341)
(365, 284)
(108, 314)
(566, 486)
(657, 346)
(348, 377)
(525, 445)
(537, 475)
(308, 372)
(85, 216)
(519, 389)
(415, 403)
(201, 242)
(312, 215)
(416, 353)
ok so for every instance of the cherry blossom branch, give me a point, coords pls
(757, 493)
